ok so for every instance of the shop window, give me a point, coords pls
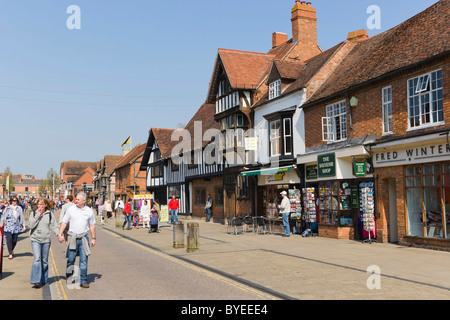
(218, 197)
(200, 197)
(243, 187)
(428, 198)
(426, 100)
(175, 190)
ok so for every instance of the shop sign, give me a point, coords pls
(355, 197)
(414, 155)
(360, 168)
(276, 177)
(311, 172)
(251, 144)
(326, 164)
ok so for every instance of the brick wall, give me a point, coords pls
(367, 116)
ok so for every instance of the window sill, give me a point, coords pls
(426, 126)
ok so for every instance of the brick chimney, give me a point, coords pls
(278, 39)
(359, 35)
(304, 29)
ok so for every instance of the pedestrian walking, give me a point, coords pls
(128, 215)
(14, 224)
(145, 214)
(69, 203)
(108, 208)
(285, 210)
(208, 207)
(41, 224)
(174, 206)
(82, 221)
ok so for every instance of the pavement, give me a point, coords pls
(294, 268)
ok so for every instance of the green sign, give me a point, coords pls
(311, 172)
(355, 197)
(326, 165)
(360, 168)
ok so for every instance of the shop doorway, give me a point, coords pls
(393, 230)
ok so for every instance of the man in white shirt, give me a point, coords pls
(285, 210)
(81, 220)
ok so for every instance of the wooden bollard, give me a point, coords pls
(178, 235)
(193, 243)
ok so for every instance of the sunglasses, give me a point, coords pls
(14, 200)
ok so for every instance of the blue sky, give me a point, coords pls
(78, 94)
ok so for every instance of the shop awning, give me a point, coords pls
(266, 172)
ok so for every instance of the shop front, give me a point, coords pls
(340, 193)
(271, 182)
(415, 175)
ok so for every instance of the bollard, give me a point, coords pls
(178, 235)
(193, 243)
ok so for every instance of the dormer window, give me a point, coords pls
(274, 89)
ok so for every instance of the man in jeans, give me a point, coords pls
(285, 210)
(81, 220)
(174, 206)
(128, 215)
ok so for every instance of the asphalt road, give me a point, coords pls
(120, 269)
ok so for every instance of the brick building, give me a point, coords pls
(381, 120)
(129, 180)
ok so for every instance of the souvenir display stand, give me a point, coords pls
(310, 217)
(367, 206)
(296, 208)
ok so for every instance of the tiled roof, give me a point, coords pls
(163, 138)
(205, 115)
(245, 69)
(131, 156)
(76, 167)
(300, 72)
(419, 38)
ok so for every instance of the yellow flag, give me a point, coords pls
(126, 141)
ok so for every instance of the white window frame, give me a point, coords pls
(425, 93)
(274, 89)
(274, 137)
(289, 135)
(327, 130)
(334, 125)
(387, 110)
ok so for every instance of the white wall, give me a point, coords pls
(298, 124)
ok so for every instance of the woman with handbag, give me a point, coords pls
(14, 224)
(41, 223)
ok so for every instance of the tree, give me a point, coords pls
(50, 183)
(7, 173)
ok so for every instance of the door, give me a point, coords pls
(393, 229)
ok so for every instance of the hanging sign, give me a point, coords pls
(359, 168)
(326, 165)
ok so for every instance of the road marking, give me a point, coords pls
(59, 285)
(195, 268)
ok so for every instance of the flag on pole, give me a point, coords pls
(128, 141)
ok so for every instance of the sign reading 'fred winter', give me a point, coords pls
(413, 155)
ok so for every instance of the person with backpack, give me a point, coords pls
(41, 224)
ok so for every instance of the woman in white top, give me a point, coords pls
(145, 214)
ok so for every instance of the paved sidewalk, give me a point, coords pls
(295, 268)
(310, 268)
(15, 282)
